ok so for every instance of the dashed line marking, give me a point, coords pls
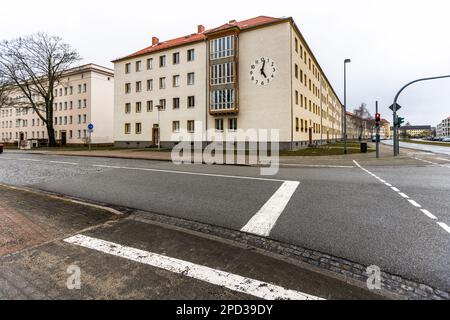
(216, 277)
(264, 221)
(429, 214)
(414, 203)
(63, 162)
(444, 226)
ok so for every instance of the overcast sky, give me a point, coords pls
(390, 42)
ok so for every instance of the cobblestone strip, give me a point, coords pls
(343, 268)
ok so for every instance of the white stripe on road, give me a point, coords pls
(395, 189)
(264, 221)
(220, 278)
(190, 173)
(32, 160)
(314, 165)
(63, 162)
(443, 159)
(444, 226)
(429, 214)
(404, 195)
(415, 204)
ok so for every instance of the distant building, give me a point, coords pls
(385, 130)
(415, 131)
(85, 95)
(443, 129)
(357, 126)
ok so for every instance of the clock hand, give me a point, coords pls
(262, 69)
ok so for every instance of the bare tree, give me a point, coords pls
(363, 120)
(31, 68)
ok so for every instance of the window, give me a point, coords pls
(128, 68)
(176, 81)
(222, 99)
(127, 87)
(296, 45)
(219, 124)
(138, 128)
(296, 97)
(150, 106)
(65, 91)
(127, 129)
(138, 86)
(176, 126)
(150, 64)
(138, 66)
(176, 103)
(222, 73)
(191, 101)
(84, 118)
(190, 125)
(301, 75)
(138, 107)
(162, 83)
(162, 103)
(71, 90)
(150, 85)
(191, 79)
(162, 61)
(232, 124)
(84, 103)
(297, 127)
(176, 58)
(79, 104)
(127, 107)
(222, 47)
(71, 105)
(190, 55)
(84, 87)
(79, 119)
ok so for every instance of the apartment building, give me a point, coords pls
(254, 74)
(443, 129)
(415, 131)
(359, 127)
(84, 95)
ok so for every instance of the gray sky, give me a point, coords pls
(390, 42)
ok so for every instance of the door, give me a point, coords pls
(155, 133)
(22, 136)
(310, 136)
(63, 138)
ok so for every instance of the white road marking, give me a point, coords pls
(443, 159)
(263, 222)
(32, 160)
(63, 162)
(434, 163)
(444, 226)
(429, 214)
(220, 278)
(315, 165)
(415, 204)
(190, 173)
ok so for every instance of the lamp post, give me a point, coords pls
(346, 61)
(395, 106)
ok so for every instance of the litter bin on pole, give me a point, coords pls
(363, 147)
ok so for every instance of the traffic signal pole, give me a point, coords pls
(394, 109)
(378, 129)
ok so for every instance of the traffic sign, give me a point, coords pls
(90, 126)
(398, 107)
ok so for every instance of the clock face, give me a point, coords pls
(263, 71)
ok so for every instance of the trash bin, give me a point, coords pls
(1, 148)
(363, 147)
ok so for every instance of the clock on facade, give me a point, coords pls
(262, 71)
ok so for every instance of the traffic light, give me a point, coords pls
(400, 121)
(378, 119)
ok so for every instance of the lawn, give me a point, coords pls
(332, 149)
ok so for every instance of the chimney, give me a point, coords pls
(232, 21)
(200, 28)
(155, 41)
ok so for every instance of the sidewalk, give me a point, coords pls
(338, 160)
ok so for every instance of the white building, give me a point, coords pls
(85, 95)
(253, 74)
(443, 129)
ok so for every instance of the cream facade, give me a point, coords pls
(443, 129)
(254, 74)
(84, 95)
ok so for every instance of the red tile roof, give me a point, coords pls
(196, 37)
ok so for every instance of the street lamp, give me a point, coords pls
(345, 104)
(159, 107)
(395, 109)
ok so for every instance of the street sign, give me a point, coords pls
(398, 107)
(90, 126)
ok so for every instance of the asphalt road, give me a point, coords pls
(425, 147)
(345, 212)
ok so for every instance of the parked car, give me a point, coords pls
(446, 139)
